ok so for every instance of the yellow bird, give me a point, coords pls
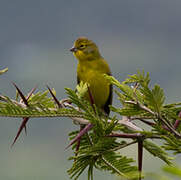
(91, 69)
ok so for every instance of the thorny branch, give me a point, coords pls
(168, 125)
(127, 121)
(65, 103)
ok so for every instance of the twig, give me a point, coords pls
(142, 107)
(126, 135)
(123, 145)
(126, 121)
(165, 122)
(65, 103)
(146, 122)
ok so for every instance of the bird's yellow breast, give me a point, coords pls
(92, 73)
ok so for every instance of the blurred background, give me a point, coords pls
(35, 38)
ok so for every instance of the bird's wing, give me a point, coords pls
(78, 80)
(109, 100)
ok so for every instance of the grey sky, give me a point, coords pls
(35, 37)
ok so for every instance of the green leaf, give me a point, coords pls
(82, 88)
(118, 164)
(39, 106)
(157, 151)
(172, 144)
(131, 110)
(140, 78)
(173, 170)
(158, 98)
(127, 90)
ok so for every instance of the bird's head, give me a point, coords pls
(85, 49)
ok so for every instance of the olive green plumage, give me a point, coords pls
(91, 69)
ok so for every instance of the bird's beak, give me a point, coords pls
(73, 49)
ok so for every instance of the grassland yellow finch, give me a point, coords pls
(91, 69)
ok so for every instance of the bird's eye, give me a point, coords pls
(82, 46)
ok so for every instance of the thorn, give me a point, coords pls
(177, 122)
(21, 94)
(78, 141)
(55, 99)
(91, 97)
(25, 129)
(25, 119)
(23, 125)
(140, 156)
(78, 144)
(31, 92)
(80, 134)
(29, 95)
